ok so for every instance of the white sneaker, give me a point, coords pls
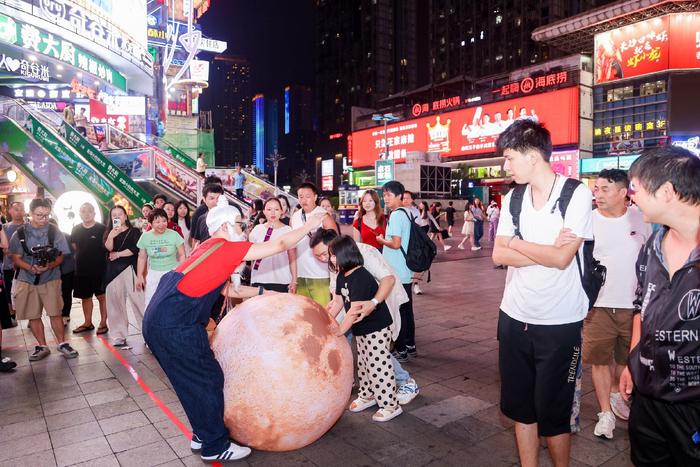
(447, 248)
(476, 248)
(618, 406)
(461, 247)
(407, 391)
(234, 452)
(417, 290)
(605, 425)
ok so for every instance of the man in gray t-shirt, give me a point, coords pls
(8, 268)
(38, 284)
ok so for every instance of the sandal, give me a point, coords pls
(384, 415)
(83, 328)
(360, 404)
(102, 330)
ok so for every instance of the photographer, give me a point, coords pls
(37, 250)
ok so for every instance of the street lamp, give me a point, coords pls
(275, 158)
(386, 118)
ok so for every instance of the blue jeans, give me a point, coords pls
(402, 376)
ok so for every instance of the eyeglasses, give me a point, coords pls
(41, 216)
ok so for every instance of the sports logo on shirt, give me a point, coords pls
(689, 306)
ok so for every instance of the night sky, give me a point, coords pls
(277, 38)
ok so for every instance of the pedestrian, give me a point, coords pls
(17, 219)
(180, 313)
(313, 277)
(160, 250)
(619, 232)
(370, 222)
(183, 220)
(478, 212)
(38, 283)
(256, 213)
(69, 114)
(390, 291)
(169, 209)
(81, 122)
(67, 280)
(468, 227)
(6, 364)
(398, 233)
(285, 217)
(493, 213)
(327, 205)
(159, 201)
(278, 272)
(371, 329)
(120, 278)
(239, 183)
(662, 369)
(201, 164)
(436, 230)
(423, 219)
(199, 232)
(450, 216)
(146, 211)
(90, 265)
(419, 215)
(544, 302)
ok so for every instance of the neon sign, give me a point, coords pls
(529, 84)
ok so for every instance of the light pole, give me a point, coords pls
(386, 118)
(275, 158)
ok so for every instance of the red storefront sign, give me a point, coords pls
(534, 83)
(685, 41)
(439, 104)
(469, 131)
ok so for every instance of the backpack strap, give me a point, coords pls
(22, 235)
(52, 234)
(410, 219)
(516, 206)
(567, 192)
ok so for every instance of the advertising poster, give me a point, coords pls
(173, 176)
(469, 131)
(253, 185)
(384, 171)
(685, 41)
(565, 163)
(136, 164)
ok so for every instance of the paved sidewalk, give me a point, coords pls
(91, 411)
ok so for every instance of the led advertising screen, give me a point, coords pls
(657, 44)
(468, 131)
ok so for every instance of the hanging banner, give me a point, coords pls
(136, 164)
(177, 154)
(176, 178)
(111, 172)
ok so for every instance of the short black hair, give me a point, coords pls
(309, 186)
(394, 187)
(212, 179)
(671, 164)
(156, 213)
(258, 204)
(212, 188)
(615, 176)
(325, 236)
(347, 254)
(525, 135)
(39, 203)
(159, 196)
(449, 203)
(409, 193)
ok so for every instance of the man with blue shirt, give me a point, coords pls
(239, 182)
(398, 233)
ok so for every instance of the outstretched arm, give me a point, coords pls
(286, 241)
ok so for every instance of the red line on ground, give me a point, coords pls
(159, 403)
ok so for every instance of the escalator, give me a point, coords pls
(34, 144)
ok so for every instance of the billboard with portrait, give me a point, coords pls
(468, 131)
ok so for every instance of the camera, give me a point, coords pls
(45, 254)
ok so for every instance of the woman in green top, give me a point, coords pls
(160, 250)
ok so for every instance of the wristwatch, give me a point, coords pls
(375, 301)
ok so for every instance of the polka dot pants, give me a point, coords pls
(375, 370)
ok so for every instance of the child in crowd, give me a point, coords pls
(372, 332)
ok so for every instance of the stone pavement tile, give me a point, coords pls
(498, 449)
(173, 463)
(39, 459)
(100, 385)
(75, 434)
(60, 394)
(276, 459)
(430, 393)
(92, 372)
(83, 451)
(150, 454)
(470, 430)
(490, 393)
(334, 450)
(494, 416)
(65, 405)
(435, 443)
(167, 429)
(84, 359)
(144, 401)
(22, 429)
(103, 397)
(112, 409)
(620, 460)
(449, 410)
(27, 445)
(155, 414)
(591, 452)
(180, 444)
(63, 420)
(403, 454)
(106, 461)
(406, 425)
(462, 383)
(123, 422)
(620, 441)
(21, 413)
(134, 438)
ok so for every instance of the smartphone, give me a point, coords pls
(116, 223)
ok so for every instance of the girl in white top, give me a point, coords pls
(182, 219)
(278, 272)
(468, 227)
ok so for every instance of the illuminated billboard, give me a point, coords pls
(657, 44)
(468, 131)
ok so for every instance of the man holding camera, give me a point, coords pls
(37, 250)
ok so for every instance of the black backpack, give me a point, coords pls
(22, 235)
(421, 249)
(590, 270)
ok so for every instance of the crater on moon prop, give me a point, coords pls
(288, 377)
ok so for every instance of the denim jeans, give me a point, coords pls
(478, 232)
(402, 376)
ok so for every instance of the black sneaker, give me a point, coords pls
(411, 350)
(67, 350)
(400, 355)
(195, 444)
(6, 365)
(39, 353)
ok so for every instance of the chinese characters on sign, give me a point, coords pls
(629, 128)
(529, 84)
(31, 70)
(440, 104)
(384, 172)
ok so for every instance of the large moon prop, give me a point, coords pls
(288, 377)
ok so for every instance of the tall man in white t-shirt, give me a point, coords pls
(544, 303)
(313, 275)
(619, 232)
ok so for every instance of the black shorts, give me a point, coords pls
(539, 366)
(281, 288)
(87, 286)
(661, 432)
